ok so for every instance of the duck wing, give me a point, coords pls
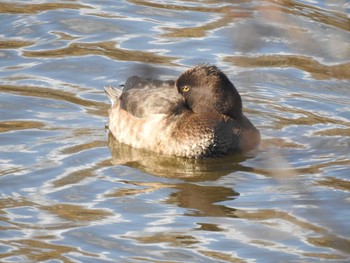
(136, 82)
(145, 97)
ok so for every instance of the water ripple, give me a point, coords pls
(70, 192)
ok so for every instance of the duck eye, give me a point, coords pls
(185, 88)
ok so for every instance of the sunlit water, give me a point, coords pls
(70, 193)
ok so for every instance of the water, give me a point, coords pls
(70, 193)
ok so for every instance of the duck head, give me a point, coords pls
(205, 89)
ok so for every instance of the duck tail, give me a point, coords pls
(113, 93)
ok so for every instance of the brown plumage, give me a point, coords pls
(199, 115)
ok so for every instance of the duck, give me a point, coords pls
(199, 115)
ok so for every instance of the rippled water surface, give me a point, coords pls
(70, 193)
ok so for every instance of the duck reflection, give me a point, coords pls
(174, 167)
(199, 199)
(202, 200)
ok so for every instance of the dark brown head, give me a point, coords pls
(206, 89)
